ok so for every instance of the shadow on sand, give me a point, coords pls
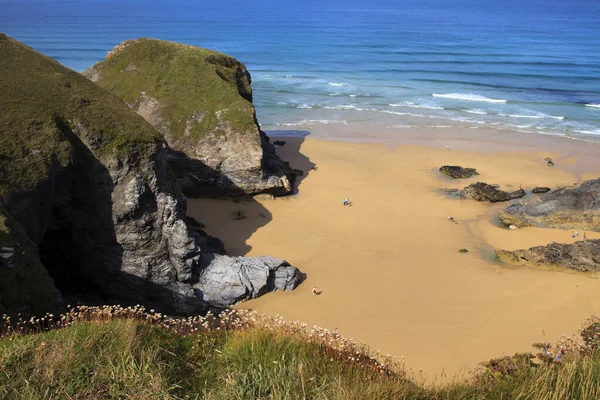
(234, 221)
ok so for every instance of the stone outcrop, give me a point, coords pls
(227, 280)
(457, 172)
(87, 182)
(483, 192)
(25, 286)
(574, 207)
(201, 101)
(582, 256)
(540, 189)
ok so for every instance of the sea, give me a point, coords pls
(522, 65)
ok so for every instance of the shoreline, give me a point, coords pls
(388, 266)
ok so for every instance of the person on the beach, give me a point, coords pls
(584, 237)
(573, 235)
(314, 291)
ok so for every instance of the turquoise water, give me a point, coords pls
(527, 65)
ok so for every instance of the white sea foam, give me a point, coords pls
(476, 111)
(536, 116)
(304, 106)
(593, 105)
(352, 95)
(313, 122)
(413, 105)
(338, 84)
(469, 97)
(586, 132)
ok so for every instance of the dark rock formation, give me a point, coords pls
(582, 256)
(87, 181)
(201, 101)
(483, 192)
(574, 207)
(540, 189)
(25, 286)
(457, 172)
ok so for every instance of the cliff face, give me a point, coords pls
(201, 101)
(87, 180)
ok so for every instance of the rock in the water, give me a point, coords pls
(583, 256)
(201, 101)
(574, 207)
(230, 280)
(540, 189)
(279, 142)
(457, 172)
(483, 192)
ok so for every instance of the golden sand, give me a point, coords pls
(389, 268)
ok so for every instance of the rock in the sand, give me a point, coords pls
(457, 172)
(229, 280)
(573, 207)
(450, 190)
(540, 189)
(513, 227)
(481, 191)
(582, 256)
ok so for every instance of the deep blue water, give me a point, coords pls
(529, 65)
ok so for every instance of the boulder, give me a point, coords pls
(457, 172)
(201, 102)
(540, 189)
(226, 281)
(573, 207)
(87, 184)
(483, 192)
(582, 256)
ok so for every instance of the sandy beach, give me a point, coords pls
(389, 268)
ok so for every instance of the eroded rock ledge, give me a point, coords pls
(582, 256)
(573, 207)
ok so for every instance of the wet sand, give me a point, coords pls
(389, 268)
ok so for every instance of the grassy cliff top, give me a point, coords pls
(122, 353)
(37, 97)
(191, 84)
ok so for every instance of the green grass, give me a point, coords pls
(40, 100)
(104, 357)
(188, 81)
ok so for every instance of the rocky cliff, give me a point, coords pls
(86, 181)
(574, 207)
(201, 101)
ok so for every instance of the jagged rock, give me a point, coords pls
(230, 280)
(98, 200)
(574, 207)
(583, 256)
(457, 172)
(483, 192)
(540, 189)
(201, 101)
(25, 286)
